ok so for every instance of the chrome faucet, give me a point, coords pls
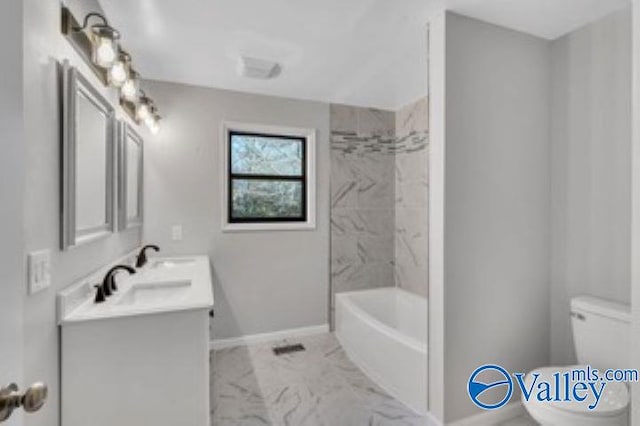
(142, 256)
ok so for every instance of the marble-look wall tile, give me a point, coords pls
(374, 183)
(413, 118)
(412, 193)
(411, 248)
(412, 198)
(344, 249)
(412, 277)
(344, 181)
(375, 248)
(362, 199)
(343, 118)
(362, 276)
(362, 222)
(412, 166)
(412, 221)
(375, 122)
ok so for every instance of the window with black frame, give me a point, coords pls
(267, 178)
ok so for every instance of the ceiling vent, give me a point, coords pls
(258, 68)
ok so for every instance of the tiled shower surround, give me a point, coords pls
(411, 198)
(379, 188)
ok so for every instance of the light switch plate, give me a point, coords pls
(176, 232)
(39, 271)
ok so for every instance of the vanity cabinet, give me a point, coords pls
(137, 370)
(142, 356)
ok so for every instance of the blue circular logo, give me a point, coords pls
(477, 388)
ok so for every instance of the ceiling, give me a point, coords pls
(359, 52)
(548, 19)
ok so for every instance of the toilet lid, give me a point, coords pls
(613, 401)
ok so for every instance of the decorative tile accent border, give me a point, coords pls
(414, 141)
(353, 143)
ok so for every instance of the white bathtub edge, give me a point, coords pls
(374, 346)
(384, 328)
(370, 373)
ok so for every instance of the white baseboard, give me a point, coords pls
(493, 417)
(268, 337)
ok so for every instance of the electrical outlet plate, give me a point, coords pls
(176, 233)
(39, 271)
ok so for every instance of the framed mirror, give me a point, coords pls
(88, 141)
(130, 172)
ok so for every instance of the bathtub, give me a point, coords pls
(384, 332)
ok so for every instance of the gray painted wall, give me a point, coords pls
(590, 167)
(535, 146)
(264, 281)
(12, 164)
(496, 208)
(437, 138)
(44, 45)
(635, 215)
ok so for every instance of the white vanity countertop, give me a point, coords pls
(164, 284)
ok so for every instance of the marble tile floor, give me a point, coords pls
(523, 420)
(317, 387)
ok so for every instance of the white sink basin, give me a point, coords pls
(165, 284)
(171, 263)
(155, 293)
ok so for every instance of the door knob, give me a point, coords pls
(32, 400)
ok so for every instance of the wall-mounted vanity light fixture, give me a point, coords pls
(152, 120)
(131, 88)
(153, 123)
(119, 71)
(104, 40)
(98, 44)
(144, 108)
(147, 113)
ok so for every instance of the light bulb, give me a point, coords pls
(118, 74)
(130, 88)
(105, 52)
(129, 91)
(154, 127)
(143, 112)
(119, 71)
(152, 121)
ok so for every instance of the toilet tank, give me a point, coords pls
(601, 332)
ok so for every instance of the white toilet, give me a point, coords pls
(601, 332)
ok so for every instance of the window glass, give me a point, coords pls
(267, 199)
(253, 154)
(267, 179)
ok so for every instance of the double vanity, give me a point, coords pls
(141, 356)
